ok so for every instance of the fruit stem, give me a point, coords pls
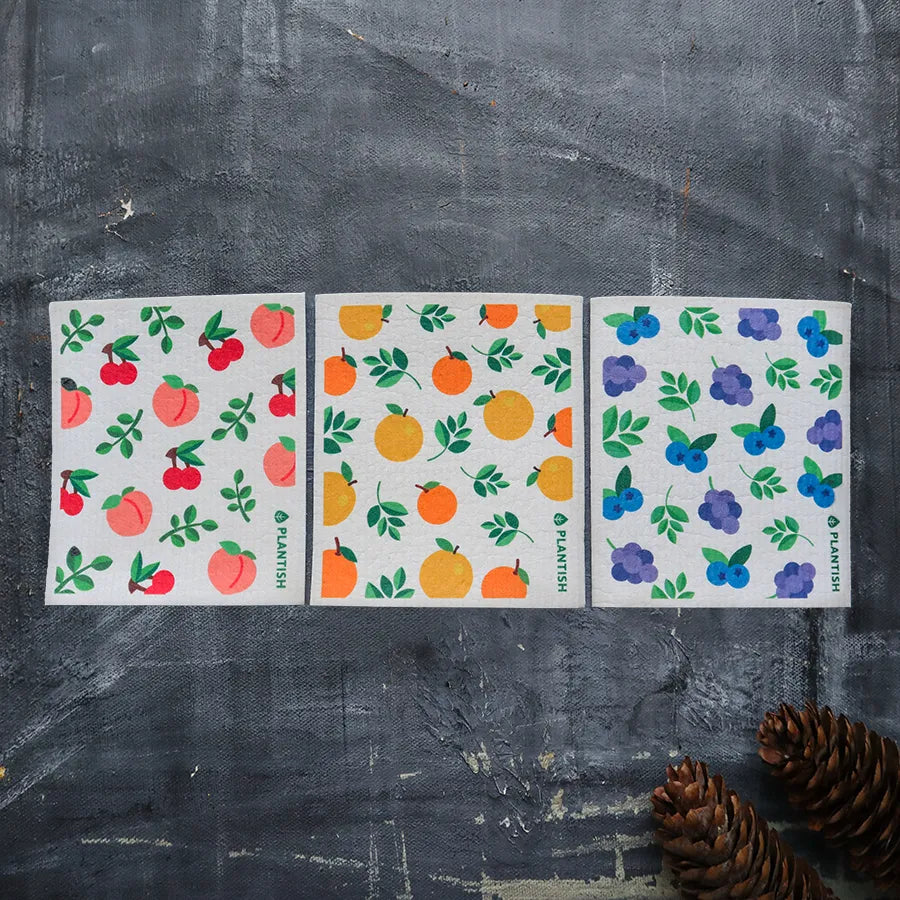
(173, 454)
(536, 469)
(405, 411)
(715, 364)
(278, 381)
(483, 320)
(66, 474)
(421, 487)
(204, 341)
(108, 351)
(455, 549)
(343, 355)
(449, 351)
(711, 483)
(493, 396)
(551, 431)
(134, 586)
(337, 545)
(611, 544)
(516, 569)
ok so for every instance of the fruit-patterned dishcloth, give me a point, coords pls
(176, 443)
(449, 451)
(720, 455)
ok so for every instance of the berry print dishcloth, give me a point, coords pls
(720, 452)
(177, 440)
(449, 450)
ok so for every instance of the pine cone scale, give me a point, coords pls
(718, 847)
(845, 778)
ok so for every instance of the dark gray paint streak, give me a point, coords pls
(268, 149)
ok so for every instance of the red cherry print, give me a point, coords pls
(127, 373)
(172, 479)
(233, 348)
(163, 582)
(109, 373)
(281, 405)
(190, 478)
(218, 359)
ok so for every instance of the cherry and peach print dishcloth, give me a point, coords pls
(176, 448)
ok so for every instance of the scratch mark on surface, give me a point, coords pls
(546, 759)
(130, 842)
(405, 775)
(479, 819)
(353, 34)
(631, 805)
(373, 872)
(2, 772)
(642, 754)
(477, 762)
(196, 770)
(686, 193)
(404, 867)
(557, 811)
(240, 854)
(330, 862)
(30, 780)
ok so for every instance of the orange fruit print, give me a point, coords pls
(398, 436)
(340, 374)
(437, 503)
(452, 373)
(560, 426)
(231, 569)
(338, 571)
(499, 315)
(446, 574)
(505, 582)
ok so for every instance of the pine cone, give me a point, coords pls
(845, 778)
(719, 847)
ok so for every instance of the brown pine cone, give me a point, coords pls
(718, 847)
(845, 778)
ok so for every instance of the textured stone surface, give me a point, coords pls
(496, 145)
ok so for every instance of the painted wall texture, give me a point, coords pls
(620, 146)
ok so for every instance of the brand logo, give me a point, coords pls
(281, 549)
(562, 561)
(834, 536)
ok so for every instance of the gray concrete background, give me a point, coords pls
(493, 145)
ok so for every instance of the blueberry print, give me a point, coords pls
(808, 327)
(826, 433)
(818, 338)
(696, 461)
(632, 563)
(613, 508)
(795, 580)
(721, 510)
(682, 451)
(625, 498)
(648, 326)
(628, 333)
(676, 453)
(731, 385)
(759, 324)
(817, 485)
(764, 436)
(621, 373)
(723, 570)
(630, 328)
